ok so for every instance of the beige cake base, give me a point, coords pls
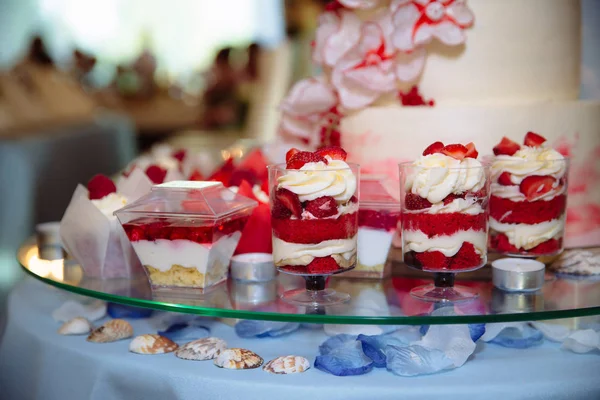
(179, 276)
(379, 271)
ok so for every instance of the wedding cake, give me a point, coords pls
(399, 74)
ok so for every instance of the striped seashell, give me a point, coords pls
(238, 359)
(111, 331)
(152, 344)
(201, 349)
(76, 326)
(287, 365)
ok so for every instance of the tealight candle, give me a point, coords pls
(253, 267)
(49, 241)
(517, 274)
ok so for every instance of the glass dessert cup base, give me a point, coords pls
(443, 290)
(315, 294)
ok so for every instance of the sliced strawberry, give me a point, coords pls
(353, 199)
(291, 153)
(471, 151)
(196, 176)
(322, 207)
(504, 179)
(535, 186)
(224, 173)
(435, 147)
(415, 202)
(451, 197)
(290, 201)
(299, 159)
(322, 265)
(136, 233)
(334, 152)
(532, 139)
(433, 260)
(506, 147)
(457, 151)
(156, 174)
(179, 155)
(178, 233)
(100, 186)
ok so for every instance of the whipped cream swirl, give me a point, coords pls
(436, 176)
(110, 203)
(315, 180)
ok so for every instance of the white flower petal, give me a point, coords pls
(328, 25)
(448, 33)
(361, 4)
(410, 65)
(460, 13)
(309, 96)
(346, 37)
(582, 341)
(404, 20)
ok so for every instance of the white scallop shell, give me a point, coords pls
(76, 326)
(202, 349)
(152, 344)
(287, 365)
(238, 359)
(113, 330)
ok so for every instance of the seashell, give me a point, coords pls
(238, 359)
(152, 344)
(111, 331)
(76, 326)
(287, 365)
(201, 349)
(71, 309)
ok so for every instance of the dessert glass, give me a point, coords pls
(310, 246)
(528, 205)
(185, 232)
(447, 235)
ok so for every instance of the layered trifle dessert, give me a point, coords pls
(185, 232)
(529, 197)
(314, 212)
(444, 209)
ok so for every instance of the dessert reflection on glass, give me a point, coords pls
(314, 215)
(529, 198)
(185, 232)
(444, 217)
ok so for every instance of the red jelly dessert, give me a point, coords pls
(444, 209)
(314, 212)
(529, 197)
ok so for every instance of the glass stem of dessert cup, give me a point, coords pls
(314, 296)
(443, 290)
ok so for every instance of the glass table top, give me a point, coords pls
(373, 302)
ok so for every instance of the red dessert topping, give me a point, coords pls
(414, 98)
(315, 230)
(457, 151)
(415, 202)
(291, 153)
(290, 201)
(156, 174)
(525, 212)
(334, 152)
(179, 155)
(322, 207)
(299, 159)
(435, 147)
(100, 186)
(535, 186)
(504, 179)
(532, 139)
(471, 150)
(506, 147)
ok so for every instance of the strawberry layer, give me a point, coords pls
(443, 223)
(500, 243)
(467, 258)
(526, 212)
(309, 231)
(378, 219)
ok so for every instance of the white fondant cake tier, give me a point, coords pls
(379, 137)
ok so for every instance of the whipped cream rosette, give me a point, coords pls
(162, 164)
(91, 233)
(529, 197)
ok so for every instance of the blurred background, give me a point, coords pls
(86, 85)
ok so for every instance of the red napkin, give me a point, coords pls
(256, 236)
(224, 173)
(256, 162)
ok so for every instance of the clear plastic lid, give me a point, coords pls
(190, 199)
(379, 192)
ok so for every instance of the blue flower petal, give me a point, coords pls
(374, 346)
(519, 339)
(122, 311)
(336, 342)
(423, 329)
(346, 360)
(476, 331)
(416, 360)
(181, 331)
(261, 329)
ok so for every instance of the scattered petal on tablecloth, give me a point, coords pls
(582, 341)
(453, 340)
(517, 335)
(346, 359)
(553, 332)
(71, 309)
(335, 342)
(475, 330)
(374, 346)
(185, 332)
(127, 312)
(416, 360)
(261, 329)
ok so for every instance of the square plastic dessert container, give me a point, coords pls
(185, 232)
(378, 216)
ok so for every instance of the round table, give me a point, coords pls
(38, 363)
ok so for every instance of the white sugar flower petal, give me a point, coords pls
(459, 11)
(449, 33)
(410, 65)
